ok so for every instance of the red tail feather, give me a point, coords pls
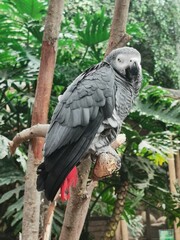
(70, 180)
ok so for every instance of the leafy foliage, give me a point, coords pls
(153, 101)
(158, 45)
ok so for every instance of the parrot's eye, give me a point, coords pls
(131, 60)
(119, 60)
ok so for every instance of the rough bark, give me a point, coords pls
(31, 211)
(118, 35)
(78, 204)
(106, 164)
(30, 229)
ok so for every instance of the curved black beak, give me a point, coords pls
(132, 71)
(134, 68)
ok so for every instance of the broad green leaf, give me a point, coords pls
(17, 217)
(13, 208)
(153, 102)
(6, 196)
(95, 29)
(8, 179)
(29, 9)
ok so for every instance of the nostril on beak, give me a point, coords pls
(133, 63)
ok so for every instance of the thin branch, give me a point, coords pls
(38, 130)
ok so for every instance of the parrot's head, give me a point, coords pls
(126, 61)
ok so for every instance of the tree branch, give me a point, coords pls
(38, 130)
(118, 36)
(106, 163)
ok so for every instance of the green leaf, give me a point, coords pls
(6, 196)
(17, 217)
(95, 29)
(154, 103)
(139, 171)
(10, 177)
(136, 30)
(36, 29)
(13, 208)
(29, 9)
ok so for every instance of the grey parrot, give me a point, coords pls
(89, 115)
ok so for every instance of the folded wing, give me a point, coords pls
(82, 108)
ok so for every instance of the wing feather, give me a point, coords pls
(81, 110)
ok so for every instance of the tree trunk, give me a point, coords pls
(77, 207)
(118, 36)
(31, 211)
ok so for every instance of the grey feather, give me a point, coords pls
(89, 115)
